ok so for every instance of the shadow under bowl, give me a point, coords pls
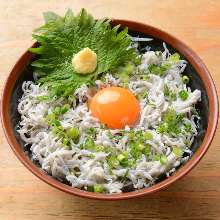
(197, 71)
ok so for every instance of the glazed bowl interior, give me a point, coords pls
(196, 70)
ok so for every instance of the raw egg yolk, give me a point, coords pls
(115, 107)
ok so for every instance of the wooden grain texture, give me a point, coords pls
(195, 197)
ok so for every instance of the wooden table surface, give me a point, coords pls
(196, 196)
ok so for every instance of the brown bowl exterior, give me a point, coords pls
(195, 61)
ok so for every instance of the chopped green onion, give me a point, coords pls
(121, 157)
(146, 150)
(172, 96)
(170, 115)
(50, 117)
(145, 77)
(180, 117)
(43, 98)
(187, 127)
(134, 151)
(91, 131)
(64, 109)
(110, 135)
(172, 123)
(57, 130)
(164, 67)
(140, 146)
(169, 94)
(131, 162)
(113, 162)
(131, 135)
(174, 57)
(137, 60)
(89, 144)
(156, 157)
(98, 188)
(183, 94)
(55, 123)
(57, 110)
(65, 141)
(178, 151)
(185, 79)
(92, 156)
(143, 95)
(148, 136)
(111, 150)
(139, 135)
(163, 159)
(163, 128)
(124, 162)
(99, 148)
(61, 110)
(159, 70)
(166, 91)
(152, 67)
(71, 98)
(73, 133)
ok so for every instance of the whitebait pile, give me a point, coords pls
(75, 147)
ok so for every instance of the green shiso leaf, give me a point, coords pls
(60, 38)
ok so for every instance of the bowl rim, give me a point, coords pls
(195, 61)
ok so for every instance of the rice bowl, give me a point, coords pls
(162, 157)
(90, 162)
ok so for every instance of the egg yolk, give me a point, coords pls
(115, 107)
